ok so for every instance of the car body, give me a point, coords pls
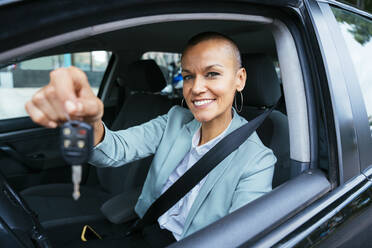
(327, 200)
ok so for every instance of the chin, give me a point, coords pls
(203, 117)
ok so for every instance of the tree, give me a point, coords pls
(361, 28)
(365, 5)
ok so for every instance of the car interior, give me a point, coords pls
(131, 92)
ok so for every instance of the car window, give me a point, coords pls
(357, 32)
(170, 65)
(18, 82)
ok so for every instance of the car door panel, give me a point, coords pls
(30, 155)
(265, 214)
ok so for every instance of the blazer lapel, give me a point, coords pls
(178, 151)
(210, 181)
(212, 177)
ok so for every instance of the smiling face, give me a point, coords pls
(211, 76)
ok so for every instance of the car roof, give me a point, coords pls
(293, 3)
(171, 37)
(30, 27)
(35, 14)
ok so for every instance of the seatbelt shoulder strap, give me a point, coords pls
(199, 170)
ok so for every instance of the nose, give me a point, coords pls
(198, 85)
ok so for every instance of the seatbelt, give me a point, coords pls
(199, 170)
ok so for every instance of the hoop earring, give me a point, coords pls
(241, 105)
(182, 102)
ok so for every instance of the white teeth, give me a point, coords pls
(199, 103)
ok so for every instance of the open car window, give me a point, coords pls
(18, 82)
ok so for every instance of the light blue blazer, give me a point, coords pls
(243, 176)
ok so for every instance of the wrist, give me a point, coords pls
(99, 132)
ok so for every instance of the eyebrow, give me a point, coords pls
(206, 68)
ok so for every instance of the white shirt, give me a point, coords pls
(174, 219)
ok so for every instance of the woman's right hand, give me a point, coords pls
(68, 94)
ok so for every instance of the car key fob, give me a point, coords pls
(76, 142)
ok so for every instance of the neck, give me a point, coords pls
(213, 128)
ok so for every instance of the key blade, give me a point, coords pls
(76, 179)
(76, 173)
(76, 195)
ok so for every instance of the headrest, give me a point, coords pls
(262, 87)
(145, 75)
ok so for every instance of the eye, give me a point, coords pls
(186, 77)
(212, 74)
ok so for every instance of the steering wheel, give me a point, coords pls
(19, 226)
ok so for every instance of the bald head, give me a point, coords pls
(208, 36)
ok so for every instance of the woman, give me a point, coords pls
(212, 74)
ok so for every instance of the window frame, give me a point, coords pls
(348, 128)
(360, 116)
(316, 192)
(304, 147)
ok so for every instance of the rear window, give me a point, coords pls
(170, 65)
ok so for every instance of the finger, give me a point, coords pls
(91, 109)
(80, 79)
(38, 116)
(71, 83)
(88, 105)
(55, 104)
(64, 86)
(74, 92)
(41, 102)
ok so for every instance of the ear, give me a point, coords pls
(241, 77)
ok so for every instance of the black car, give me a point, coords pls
(314, 54)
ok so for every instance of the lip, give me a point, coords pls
(207, 101)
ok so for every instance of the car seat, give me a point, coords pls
(262, 90)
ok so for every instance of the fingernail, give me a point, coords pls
(70, 106)
(52, 124)
(79, 106)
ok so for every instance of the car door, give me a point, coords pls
(340, 216)
(29, 154)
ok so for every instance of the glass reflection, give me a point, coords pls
(357, 32)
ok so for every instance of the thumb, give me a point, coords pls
(90, 109)
(72, 107)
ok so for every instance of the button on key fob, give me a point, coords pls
(76, 142)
